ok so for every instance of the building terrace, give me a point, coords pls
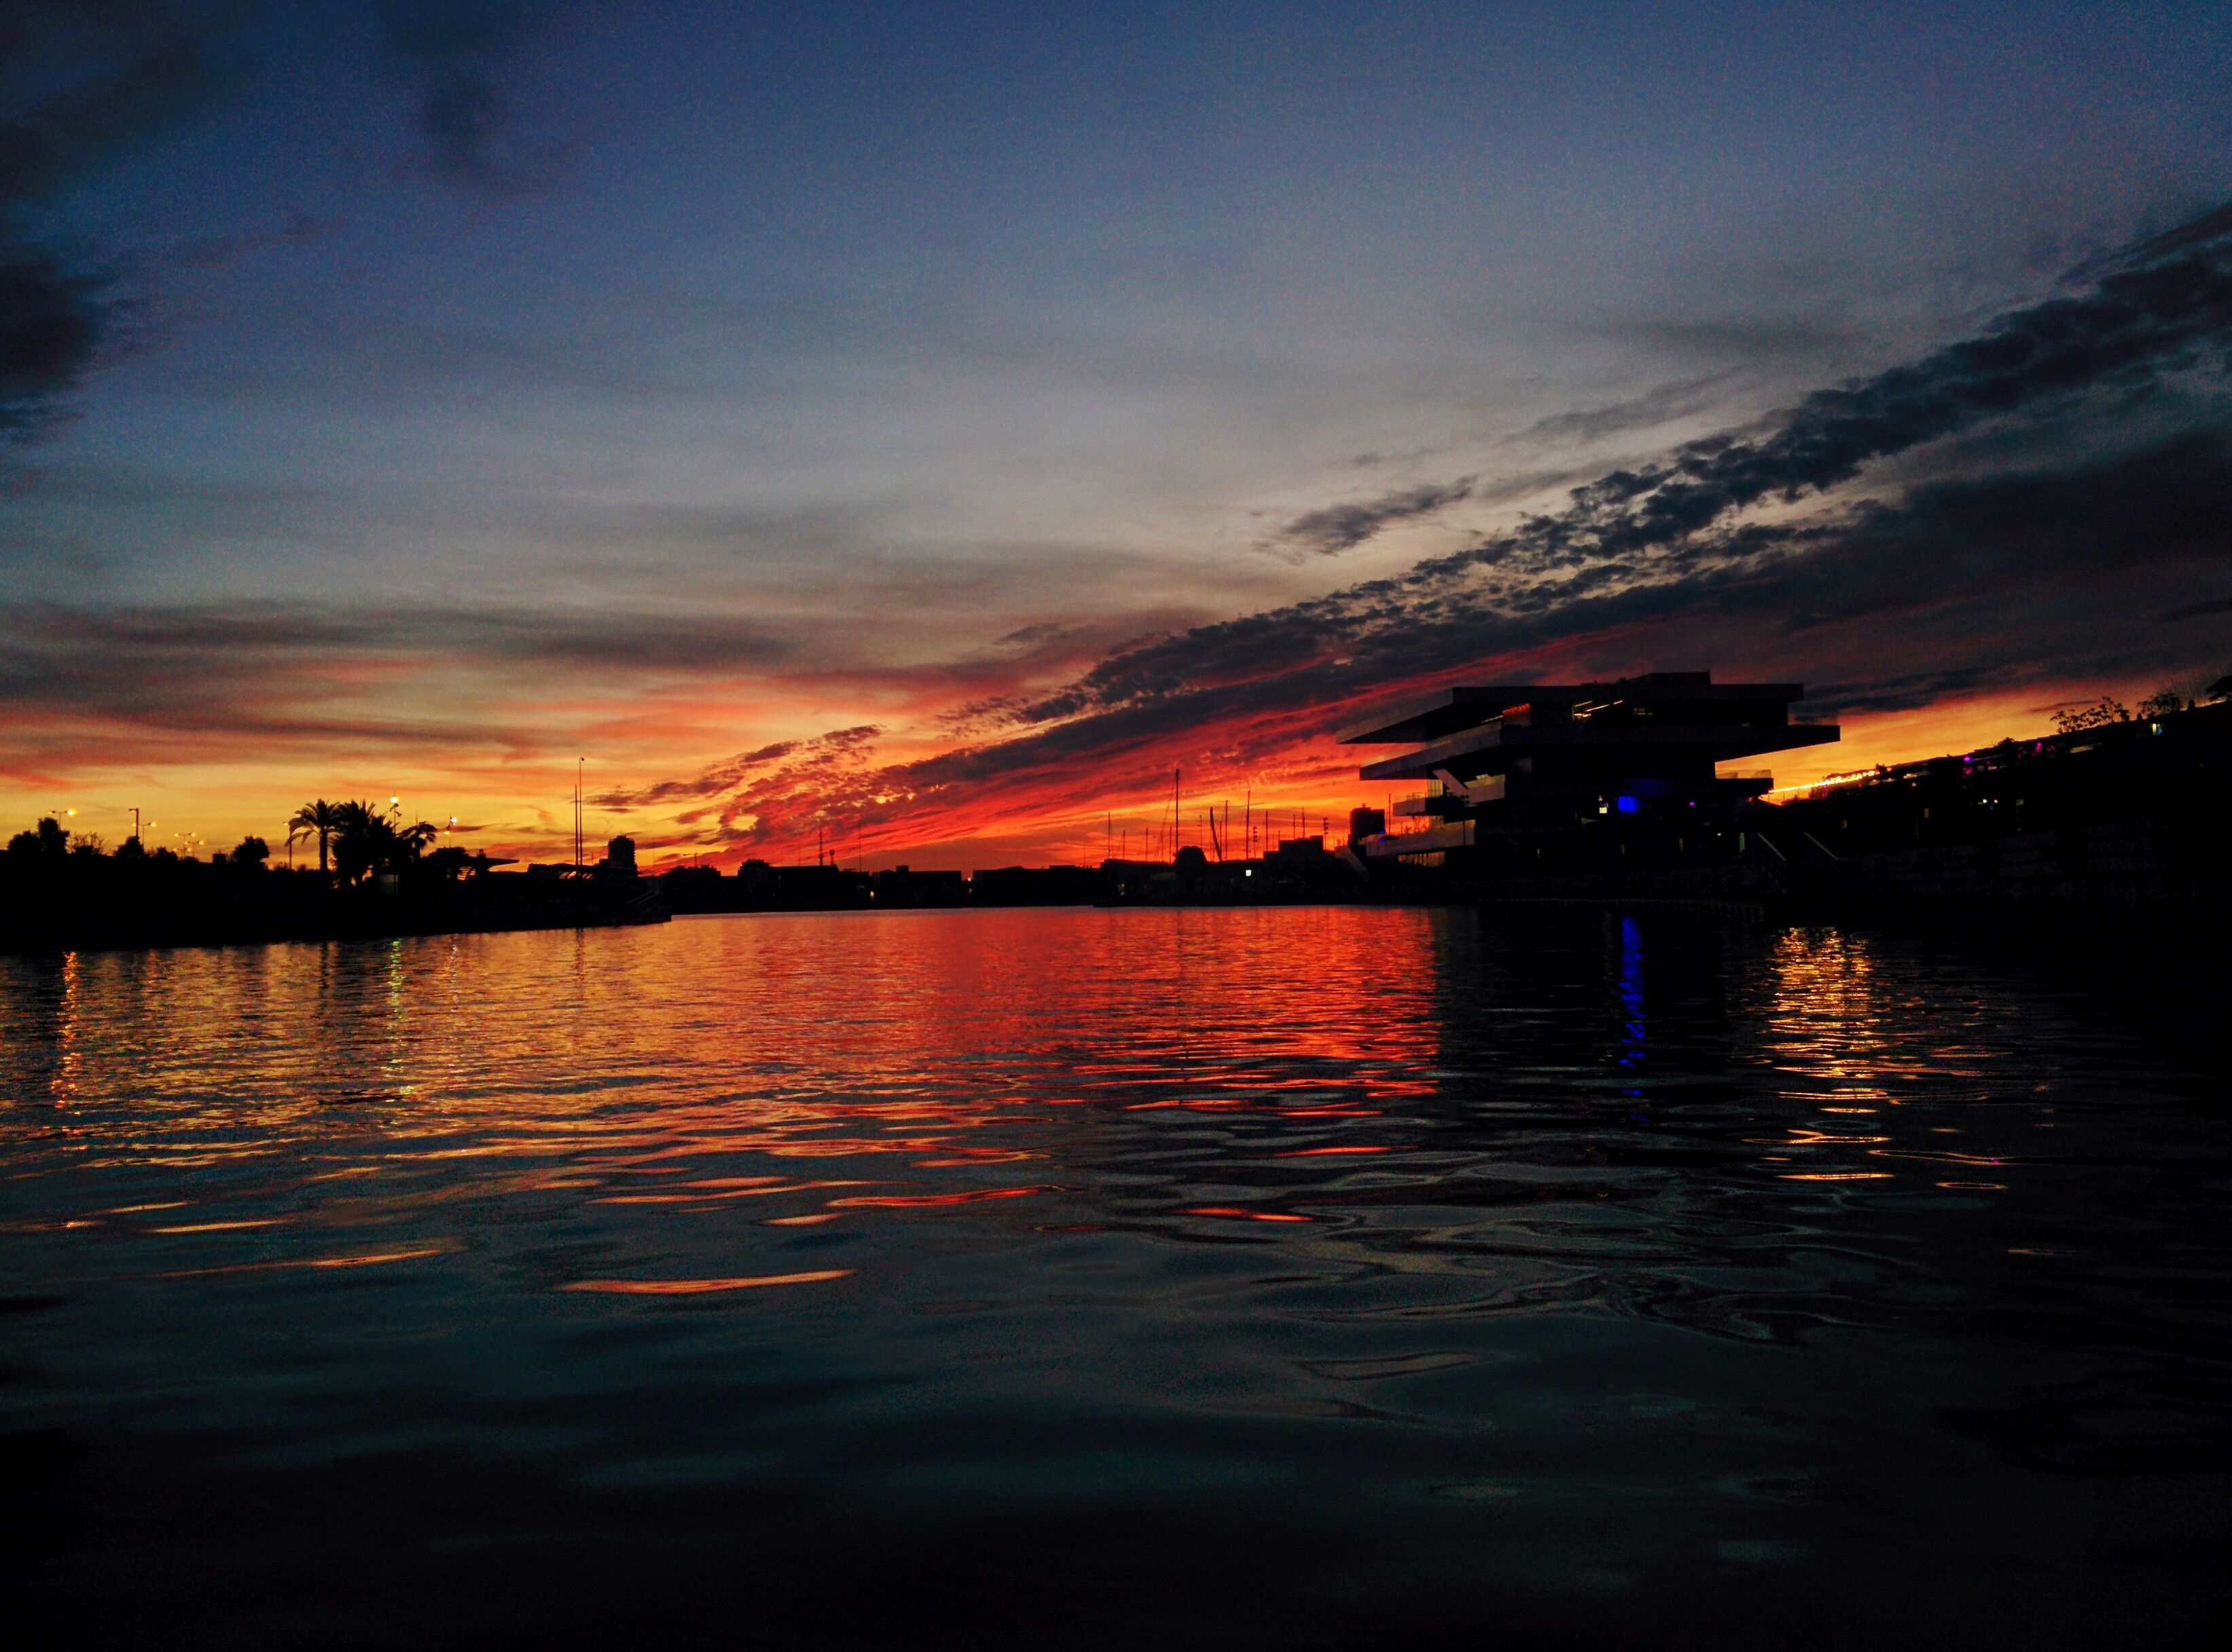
(1547, 757)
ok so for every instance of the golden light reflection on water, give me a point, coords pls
(1860, 1047)
(730, 1100)
(704, 1287)
(659, 1070)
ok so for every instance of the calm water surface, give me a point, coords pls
(1243, 1278)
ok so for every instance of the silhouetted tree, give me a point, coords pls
(2099, 716)
(2161, 703)
(448, 862)
(252, 851)
(367, 840)
(47, 838)
(319, 819)
(360, 833)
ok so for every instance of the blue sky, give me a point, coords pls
(468, 388)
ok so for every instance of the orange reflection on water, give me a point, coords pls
(369, 1258)
(1862, 1044)
(927, 1201)
(667, 1075)
(700, 1287)
(377, 1258)
(1240, 1213)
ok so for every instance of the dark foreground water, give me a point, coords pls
(1302, 1277)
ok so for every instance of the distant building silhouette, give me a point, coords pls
(1547, 757)
(904, 886)
(1039, 885)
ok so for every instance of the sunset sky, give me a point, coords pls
(928, 425)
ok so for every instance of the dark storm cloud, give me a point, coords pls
(77, 85)
(1907, 691)
(2022, 574)
(2193, 232)
(454, 55)
(1335, 528)
(1658, 406)
(52, 319)
(2198, 610)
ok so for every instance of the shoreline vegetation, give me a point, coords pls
(2112, 815)
(377, 876)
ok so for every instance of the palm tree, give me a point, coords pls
(361, 837)
(367, 840)
(319, 819)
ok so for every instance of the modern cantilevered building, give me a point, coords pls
(1545, 757)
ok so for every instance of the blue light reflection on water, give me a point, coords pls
(1631, 989)
(1400, 1261)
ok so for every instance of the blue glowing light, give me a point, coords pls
(1628, 806)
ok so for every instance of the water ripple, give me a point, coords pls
(1602, 1249)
